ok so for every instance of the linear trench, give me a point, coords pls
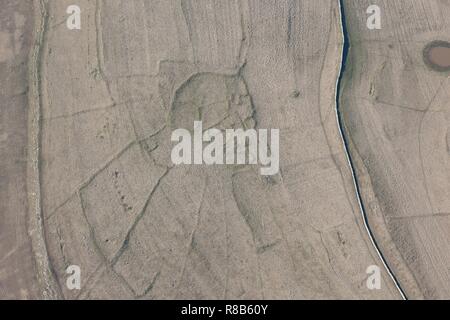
(345, 51)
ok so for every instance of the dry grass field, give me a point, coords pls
(397, 114)
(17, 273)
(97, 187)
(139, 227)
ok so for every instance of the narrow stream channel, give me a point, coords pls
(345, 52)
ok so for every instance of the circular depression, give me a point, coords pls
(437, 55)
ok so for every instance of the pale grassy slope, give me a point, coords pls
(138, 227)
(397, 114)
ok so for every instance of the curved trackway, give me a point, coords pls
(35, 222)
(345, 50)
